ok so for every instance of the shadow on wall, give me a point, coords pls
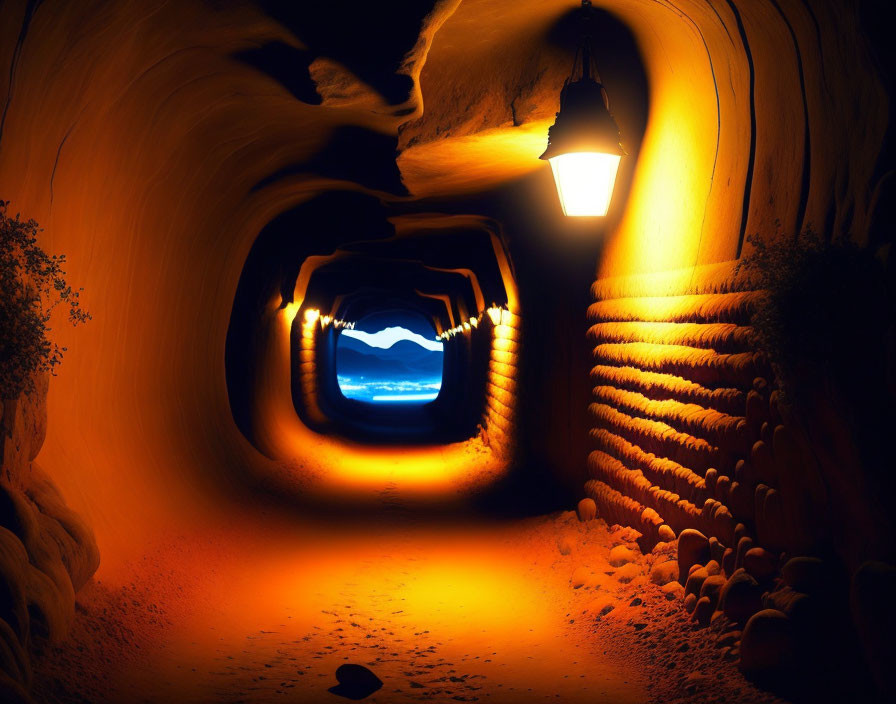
(287, 65)
(353, 154)
(343, 33)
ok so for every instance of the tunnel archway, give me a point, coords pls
(285, 323)
(246, 158)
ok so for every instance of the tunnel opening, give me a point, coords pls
(406, 387)
(273, 176)
(389, 358)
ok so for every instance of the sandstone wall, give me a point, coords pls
(155, 149)
(500, 394)
(693, 442)
(680, 398)
(47, 553)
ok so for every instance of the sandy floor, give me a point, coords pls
(471, 611)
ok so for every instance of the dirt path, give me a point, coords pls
(440, 613)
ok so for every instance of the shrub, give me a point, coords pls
(32, 284)
(826, 314)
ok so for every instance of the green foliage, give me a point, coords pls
(824, 319)
(32, 284)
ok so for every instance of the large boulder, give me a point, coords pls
(664, 572)
(711, 588)
(805, 574)
(767, 646)
(355, 682)
(760, 563)
(693, 548)
(586, 510)
(804, 611)
(665, 534)
(622, 555)
(703, 611)
(695, 580)
(874, 613)
(741, 597)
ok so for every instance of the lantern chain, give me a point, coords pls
(584, 51)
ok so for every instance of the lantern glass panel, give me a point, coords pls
(585, 182)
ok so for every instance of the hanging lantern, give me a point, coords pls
(583, 143)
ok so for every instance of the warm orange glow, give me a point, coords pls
(585, 182)
(468, 325)
(468, 164)
(302, 596)
(507, 318)
(685, 201)
(331, 466)
(289, 314)
(501, 398)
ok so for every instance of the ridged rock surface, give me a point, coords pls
(47, 552)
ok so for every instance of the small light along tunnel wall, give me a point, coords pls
(306, 376)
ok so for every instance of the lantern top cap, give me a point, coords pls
(584, 122)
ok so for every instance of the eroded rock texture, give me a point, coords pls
(693, 434)
(47, 552)
(161, 143)
(156, 143)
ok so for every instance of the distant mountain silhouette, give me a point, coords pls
(403, 349)
(352, 363)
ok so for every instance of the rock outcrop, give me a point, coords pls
(47, 553)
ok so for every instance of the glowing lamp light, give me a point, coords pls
(583, 143)
(311, 315)
(585, 182)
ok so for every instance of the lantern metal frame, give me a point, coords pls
(584, 123)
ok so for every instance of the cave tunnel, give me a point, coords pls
(333, 396)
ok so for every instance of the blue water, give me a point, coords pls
(380, 390)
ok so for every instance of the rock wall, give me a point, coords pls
(154, 143)
(309, 332)
(674, 377)
(693, 443)
(47, 553)
(775, 514)
(500, 394)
